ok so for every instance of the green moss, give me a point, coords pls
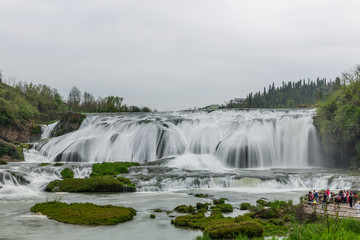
(185, 209)
(67, 173)
(26, 145)
(152, 216)
(203, 206)
(111, 169)
(93, 184)
(58, 164)
(84, 213)
(44, 164)
(201, 195)
(158, 210)
(245, 206)
(262, 202)
(224, 207)
(219, 201)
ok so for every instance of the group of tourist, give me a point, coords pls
(344, 196)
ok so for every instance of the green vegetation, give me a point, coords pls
(44, 164)
(338, 123)
(152, 216)
(84, 213)
(93, 184)
(219, 201)
(158, 210)
(111, 169)
(184, 209)
(224, 207)
(12, 151)
(67, 173)
(58, 164)
(201, 195)
(245, 206)
(2, 162)
(263, 221)
(290, 95)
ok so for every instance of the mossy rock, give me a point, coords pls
(184, 209)
(263, 202)
(245, 206)
(219, 201)
(158, 210)
(69, 122)
(224, 207)
(84, 213)
(152, 216)
(233, 230)
(93, 184)
(58, 164)
(67, 173)
(111, 168)
(201, 195)
(203, 206)
(2, 162)
(44, 164)
(12, 151)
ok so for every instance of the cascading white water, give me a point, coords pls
(47, 129)
(244, 139)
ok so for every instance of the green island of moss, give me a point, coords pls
(67, 173)
(84, 213)
(111, 168)
(93, 184)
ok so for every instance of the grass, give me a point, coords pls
(84, 213)
(93, 184)
(111, 169)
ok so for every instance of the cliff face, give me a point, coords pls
(25, 133)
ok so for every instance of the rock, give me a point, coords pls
(69, 122)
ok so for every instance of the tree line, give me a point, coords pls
(290, 95)
(22, 101)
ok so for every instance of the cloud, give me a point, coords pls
(176, 54)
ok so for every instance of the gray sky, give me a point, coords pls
(176, 54)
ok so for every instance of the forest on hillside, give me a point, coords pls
(338, 121)
(290, 95)
(22, 102)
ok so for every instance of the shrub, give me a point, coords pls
(245, 206)
(84, 213)
(67, 173)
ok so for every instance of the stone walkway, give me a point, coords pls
(344, 210)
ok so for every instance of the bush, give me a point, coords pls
(67, 173)
(245, 206)
(94, 184)
(84, 213)
(232, 230)
(111, 169)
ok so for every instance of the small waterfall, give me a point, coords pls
(241, 139)
(47, 130)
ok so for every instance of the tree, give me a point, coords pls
(74, 98)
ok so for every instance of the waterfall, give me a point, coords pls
(240, 139)
(46, 130)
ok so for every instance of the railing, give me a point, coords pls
(342, 210)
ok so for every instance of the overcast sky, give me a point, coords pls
(176, 54)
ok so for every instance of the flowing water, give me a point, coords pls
(240, 155)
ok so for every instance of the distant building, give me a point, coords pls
(239, 100)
